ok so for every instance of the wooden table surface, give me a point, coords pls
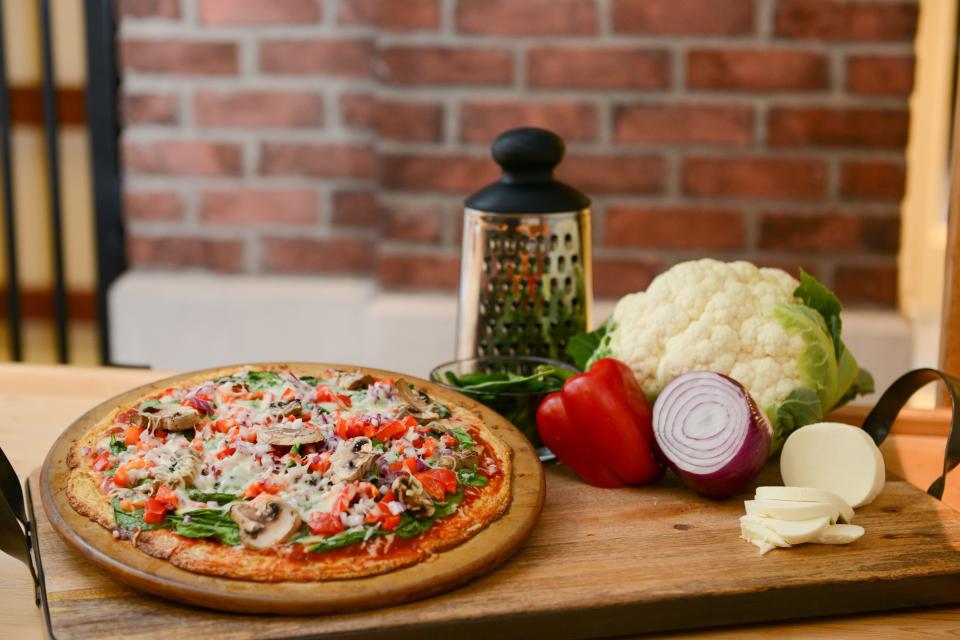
(38, 402)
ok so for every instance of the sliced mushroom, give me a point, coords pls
(167, 417)
(181, 467)
(415, 403)
(282, 409)
(352, 459)
(264, 521)
(287, 434)
(353, 380)
(461, 459)
(414, 497)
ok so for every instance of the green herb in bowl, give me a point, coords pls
(513, 386)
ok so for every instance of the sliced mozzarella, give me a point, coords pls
(840, 534)
(792, 511)
(834, 457)
(807, 494)
(763, 538)
(792, 531)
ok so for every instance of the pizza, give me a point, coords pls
(265, 475)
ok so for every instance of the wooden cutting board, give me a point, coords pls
(599, 563)
(478, 555)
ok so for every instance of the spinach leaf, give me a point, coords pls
(206, 523)
(379, 445)
(342, 540)
(295, 448)
(149, 404)
(463, 438)
(410, 526)
(222, 498)
(132, 520)
(117, 446)
(260, 380)
(471, 478)
(311, 380)
(442, 411)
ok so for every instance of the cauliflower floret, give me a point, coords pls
(713, 316)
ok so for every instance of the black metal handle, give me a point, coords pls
(881, 417)
(13, 518)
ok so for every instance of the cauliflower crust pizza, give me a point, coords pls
(269, 476)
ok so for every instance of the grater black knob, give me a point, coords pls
(528, 156)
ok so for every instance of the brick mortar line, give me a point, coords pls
(216, 135)
(330, 12)
(604, 13)
(853, 208)
(673, 255)
(448, 17)
(387, 39)
(473, 149)
(137, 84)
(856, 208)
(668, 95)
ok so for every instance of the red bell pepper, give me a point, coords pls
(600, 424)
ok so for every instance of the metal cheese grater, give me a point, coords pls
(525, 275)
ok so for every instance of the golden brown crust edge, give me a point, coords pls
(212, 558)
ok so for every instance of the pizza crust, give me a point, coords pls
(482, 506)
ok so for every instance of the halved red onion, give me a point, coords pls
(711, 433)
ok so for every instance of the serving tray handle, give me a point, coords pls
(880, 419)
(15, 532)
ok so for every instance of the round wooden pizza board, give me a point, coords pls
(447, 570)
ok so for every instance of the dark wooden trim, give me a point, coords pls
(38, 304)
(26, 105)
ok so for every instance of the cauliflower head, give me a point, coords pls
(752, 324)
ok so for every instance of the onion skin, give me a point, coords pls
(742, 468)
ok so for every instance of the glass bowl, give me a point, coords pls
(519, 407)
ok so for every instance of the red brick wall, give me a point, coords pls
(340, 136)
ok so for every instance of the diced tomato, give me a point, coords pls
(346, 497)
(324, 523)
(325, 394)
(391, 522)
(407, 464)
(121, 476)
(448, 440)
(287, 394)
(392, 429)
(367, 490)
(249, 436)
(102, 461)
(348, 428)
(222, 425)
(259, 487)
(438, 482)
(132, 436)
(430, 447)
(369, 430)
(374, 515)
(388, 496)
(161, 435)
(431, 485)
(167, 497)
(154, 511)
(321, 465)
(223, 453)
